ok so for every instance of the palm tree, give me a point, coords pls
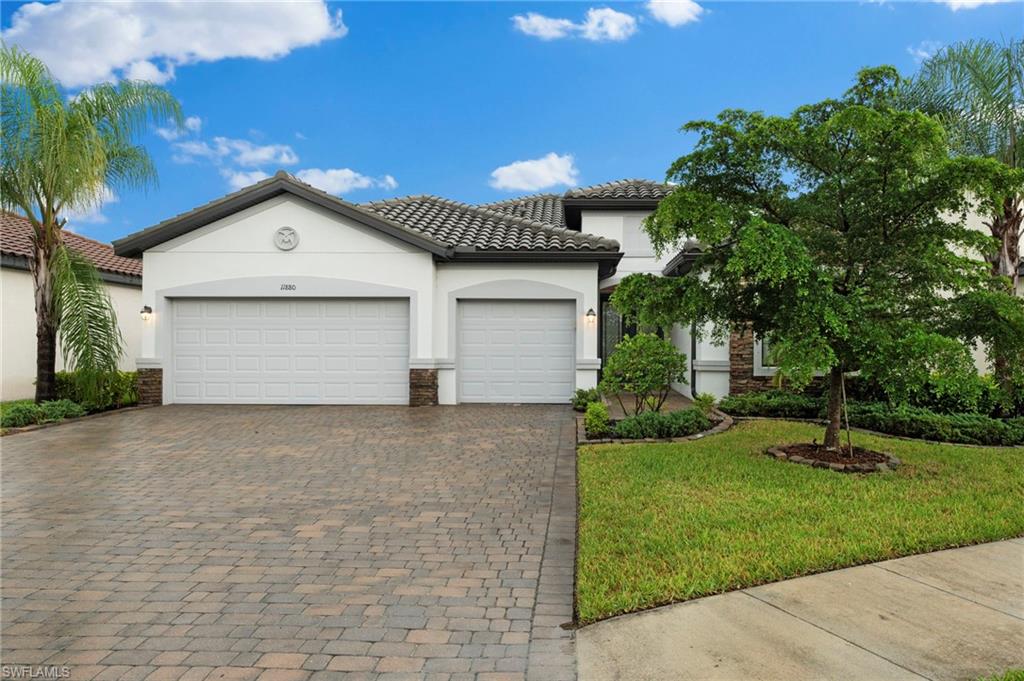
(976, 89)
(65, 153)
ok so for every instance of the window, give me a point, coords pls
(764, 364)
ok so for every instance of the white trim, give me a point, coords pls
(148, 363)
(759, 369)
(711, 365)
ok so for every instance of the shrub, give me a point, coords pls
(922, 423)
(19, 414)
(645, 366)
(118, 390)
(596, 421)
(58, 410)
(651, 424)
(777, 403)
(584, 396)
(705, 402)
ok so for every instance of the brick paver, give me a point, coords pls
(292, 543)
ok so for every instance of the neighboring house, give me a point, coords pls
(123, 277)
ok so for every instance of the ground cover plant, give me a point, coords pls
(663, 522)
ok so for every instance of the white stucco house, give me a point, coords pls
(123, 279)
(283, 294)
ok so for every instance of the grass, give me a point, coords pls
(668, 522)
(1011, 675)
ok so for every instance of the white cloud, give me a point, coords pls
(343, 180)
(92, 214)
(540, 26)
(607, 24)
(239, 179)
(675, 12)
(192, 124)
(147, 70)
(926, 49)
(957, 5)
(538, 173)
(241, 152)
(149, 39)
(598, 25)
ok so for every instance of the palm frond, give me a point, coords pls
(90, 338)
(976, 89)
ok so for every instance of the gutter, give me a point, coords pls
(20, 262)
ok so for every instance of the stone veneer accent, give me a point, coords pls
(150, 383)
(422, 387)
(741, 364)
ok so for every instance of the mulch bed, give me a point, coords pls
(860, 461)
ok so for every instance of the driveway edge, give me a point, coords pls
(552, 655)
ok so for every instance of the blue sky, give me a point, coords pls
(381, 99)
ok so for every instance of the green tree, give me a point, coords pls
(644, 366)
(828, 232)
(976, 90)
(64, 153)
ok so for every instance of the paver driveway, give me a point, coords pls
(288, 543)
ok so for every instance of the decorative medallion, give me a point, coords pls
(286, 238)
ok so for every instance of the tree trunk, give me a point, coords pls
(1006, 228)
(46, 326)
(835, 404)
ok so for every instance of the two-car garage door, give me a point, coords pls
(316, 351)
(356, 351)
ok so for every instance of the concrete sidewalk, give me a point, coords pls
(956, 614)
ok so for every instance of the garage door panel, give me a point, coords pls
(298, 351)
(516, 351)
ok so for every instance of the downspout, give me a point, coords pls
(693, 360)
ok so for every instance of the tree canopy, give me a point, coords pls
(837, 233)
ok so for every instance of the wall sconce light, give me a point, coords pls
(591, 316)
(146, 312)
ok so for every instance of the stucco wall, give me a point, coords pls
(625, 227)
(18, 331)
(241, 247)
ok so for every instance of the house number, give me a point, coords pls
(287, 287)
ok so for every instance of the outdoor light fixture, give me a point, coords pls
(146, 312)
(591, 316)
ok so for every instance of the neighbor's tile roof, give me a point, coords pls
(482, 228)
(546, 208)
(16, 239)
(638, 190)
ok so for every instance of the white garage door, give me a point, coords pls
(323, 351)
(516, 351)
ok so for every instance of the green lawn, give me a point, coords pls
(669, 522)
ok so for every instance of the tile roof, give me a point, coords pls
(546, 208)
(16, 240)
(630, 190)
(482, 228)
(278, 183)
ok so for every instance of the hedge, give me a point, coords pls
(777, 403)
(904, 420)
(119, 390)
(654, 424)
(27, 413)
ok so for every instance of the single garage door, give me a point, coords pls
(322, 351)
(516, 351)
